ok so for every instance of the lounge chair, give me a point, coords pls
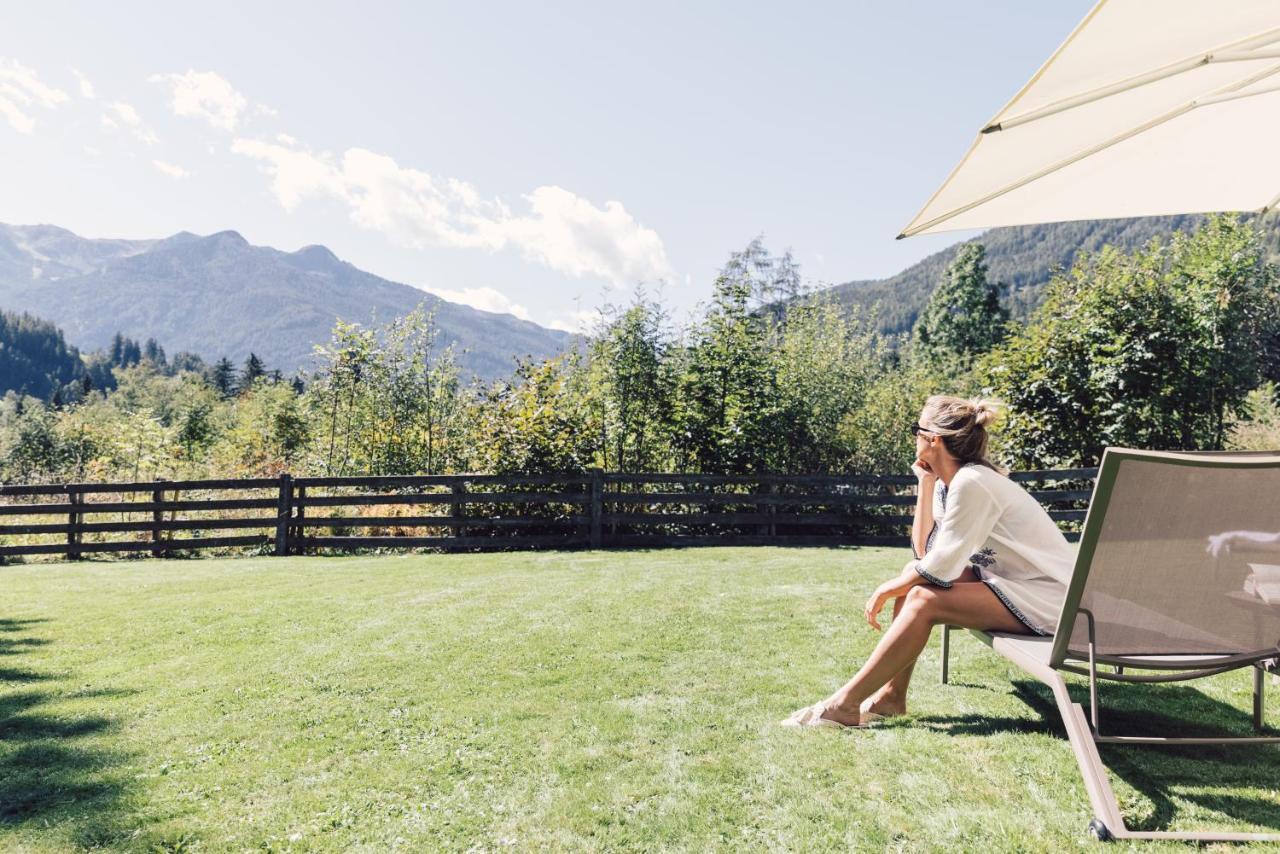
(1176, 556)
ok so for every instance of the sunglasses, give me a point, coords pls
(916, 430)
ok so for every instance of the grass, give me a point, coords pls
(576, 701)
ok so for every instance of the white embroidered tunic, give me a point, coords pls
(986, 522)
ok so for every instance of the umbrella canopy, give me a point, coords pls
(1147, 108)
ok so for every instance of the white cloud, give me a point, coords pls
(20, 88)
(120, 114)
(294, 174)
(205, 95)
(414, 208)
(577, 323)
(17, 119)
(485, 299)
(170, 169)
(568, 233)
(86, 85)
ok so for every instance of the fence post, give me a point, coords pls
(156, 519)
(74, 519)
(284, 509)
(773, 511)
(597, 507)
(762, 509)
(300, 544)
(457, 509)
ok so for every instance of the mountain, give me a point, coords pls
(219, 295)
(1022, 258)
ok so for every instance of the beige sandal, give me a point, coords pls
(812, 716)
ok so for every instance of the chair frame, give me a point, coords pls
(1084, 732)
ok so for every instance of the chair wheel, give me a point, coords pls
(1099, 831)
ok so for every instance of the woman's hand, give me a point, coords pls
(891, 589)
(923, 472)
(1220, 544)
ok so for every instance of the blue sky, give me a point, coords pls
(539, 158)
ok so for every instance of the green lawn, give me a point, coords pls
(574, 701)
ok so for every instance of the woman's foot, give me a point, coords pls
(883, 707)
(832, 712)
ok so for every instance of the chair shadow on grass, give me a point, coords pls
(1160, 774)
(48, 775)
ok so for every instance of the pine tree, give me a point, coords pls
(154, 353)
(223, 377)
(964, 317)
(131, 353)
(252, 371)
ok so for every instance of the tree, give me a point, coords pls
(252, 371)
(725, 405)
(196, 416)
(223, 377)
(130, 353)
(767, 279)
(1154, 349)
(629, 371)
(541, 421)
(266, 432)
(154, 353)
(878, 428)
(825, 359)
(387, 398)
(186, 362)
(963, 318)
(35, 358)
(34, 452)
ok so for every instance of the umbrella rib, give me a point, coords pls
(1102, 146)
(1269, 206)
(1235, 96)
(1238, 51)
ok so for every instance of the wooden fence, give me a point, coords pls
(287, 515)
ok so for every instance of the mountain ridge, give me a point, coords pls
(1022, 258)
(219, 294)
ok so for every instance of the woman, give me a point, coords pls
(987, 556)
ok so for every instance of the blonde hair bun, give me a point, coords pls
(985, 411)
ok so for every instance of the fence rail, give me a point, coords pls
(593, 509)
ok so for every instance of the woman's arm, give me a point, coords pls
(1221, 543)
(972, 512)
(922, 522)
(891, 589)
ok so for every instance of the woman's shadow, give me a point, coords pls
(50, 773)
(1214, 777)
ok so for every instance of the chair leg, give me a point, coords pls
(1258, 683)
(946, 652)
(1108, 823)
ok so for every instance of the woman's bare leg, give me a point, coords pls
(891, 699)
(969, 606)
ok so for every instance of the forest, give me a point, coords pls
(1171, 344)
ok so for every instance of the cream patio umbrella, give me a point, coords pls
(1149, 107)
